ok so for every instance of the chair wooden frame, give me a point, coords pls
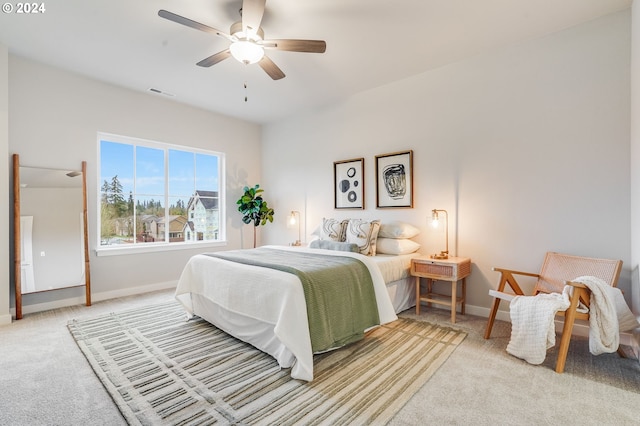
(557, 271)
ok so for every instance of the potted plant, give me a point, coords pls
(254, 209)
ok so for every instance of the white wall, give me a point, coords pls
(526, 147)
(53, 122)
(635, 154)
(5, 316)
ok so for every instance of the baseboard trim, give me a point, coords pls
(134, 290)
(6, 319)
(95, 297)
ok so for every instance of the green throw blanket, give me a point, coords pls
(341, 302)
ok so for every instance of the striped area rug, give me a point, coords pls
(163, 370)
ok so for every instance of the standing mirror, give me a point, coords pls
(50, 230)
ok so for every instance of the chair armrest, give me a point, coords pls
(575, 284)
(500, 295)
(507, 279)
(511, 271)
(580, 300)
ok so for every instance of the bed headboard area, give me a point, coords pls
(368, 237)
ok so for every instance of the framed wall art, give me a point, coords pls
(394, 180)
(348, 183)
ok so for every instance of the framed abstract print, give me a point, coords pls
(394, 180)
(348, 184)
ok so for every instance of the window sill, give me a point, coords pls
(153, 248)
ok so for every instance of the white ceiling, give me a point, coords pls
(369, 43)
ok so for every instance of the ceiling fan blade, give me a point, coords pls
(214, 59)
(271, 68)
(309, 46)
(252, 12)
(193, 24)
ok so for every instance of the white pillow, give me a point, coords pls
(398, 230)
(332, 229)
(364, 234)
(396, 246)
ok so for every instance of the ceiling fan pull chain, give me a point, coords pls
(245, 91)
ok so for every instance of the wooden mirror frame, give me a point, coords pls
(17, 239)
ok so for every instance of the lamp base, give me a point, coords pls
(441, 255)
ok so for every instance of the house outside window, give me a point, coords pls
(204, 216)
(158, 195)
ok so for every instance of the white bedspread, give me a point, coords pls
(278, 300)
(394, 267)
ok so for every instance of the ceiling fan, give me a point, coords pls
(247, 39)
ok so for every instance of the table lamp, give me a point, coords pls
(435, 222)
(293, 220)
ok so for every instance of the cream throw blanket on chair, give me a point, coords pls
(533, 327)
(609, 315)
(532, 324)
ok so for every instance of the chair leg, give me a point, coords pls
(564, 346)
(567, 329)
(505, 277)
(621, 352)
(492, 317)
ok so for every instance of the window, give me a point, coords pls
(158, 195)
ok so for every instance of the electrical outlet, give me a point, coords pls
(41, 254)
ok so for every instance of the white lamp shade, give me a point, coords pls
(293, 219)
(246, 52)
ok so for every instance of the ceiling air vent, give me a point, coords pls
(159, 92)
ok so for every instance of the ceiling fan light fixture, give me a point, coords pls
(247, 40)
(246, 51)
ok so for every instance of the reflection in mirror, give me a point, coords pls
(51, 229)
(50, 213)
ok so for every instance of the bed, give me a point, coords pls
(398, 281)
(273, 316)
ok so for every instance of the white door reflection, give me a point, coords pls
(26, 256)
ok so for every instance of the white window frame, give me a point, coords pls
(159, 246)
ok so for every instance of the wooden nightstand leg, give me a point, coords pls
(429, 290)
(417, 295)
(454, 303)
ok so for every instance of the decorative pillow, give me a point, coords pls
(333, 229)
(364, 234)
(396, 246)
(334, 245)
(398, 230)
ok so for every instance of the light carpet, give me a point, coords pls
(161, 369)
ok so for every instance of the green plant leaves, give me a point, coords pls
(253, 207)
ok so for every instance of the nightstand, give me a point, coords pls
(452, 270)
